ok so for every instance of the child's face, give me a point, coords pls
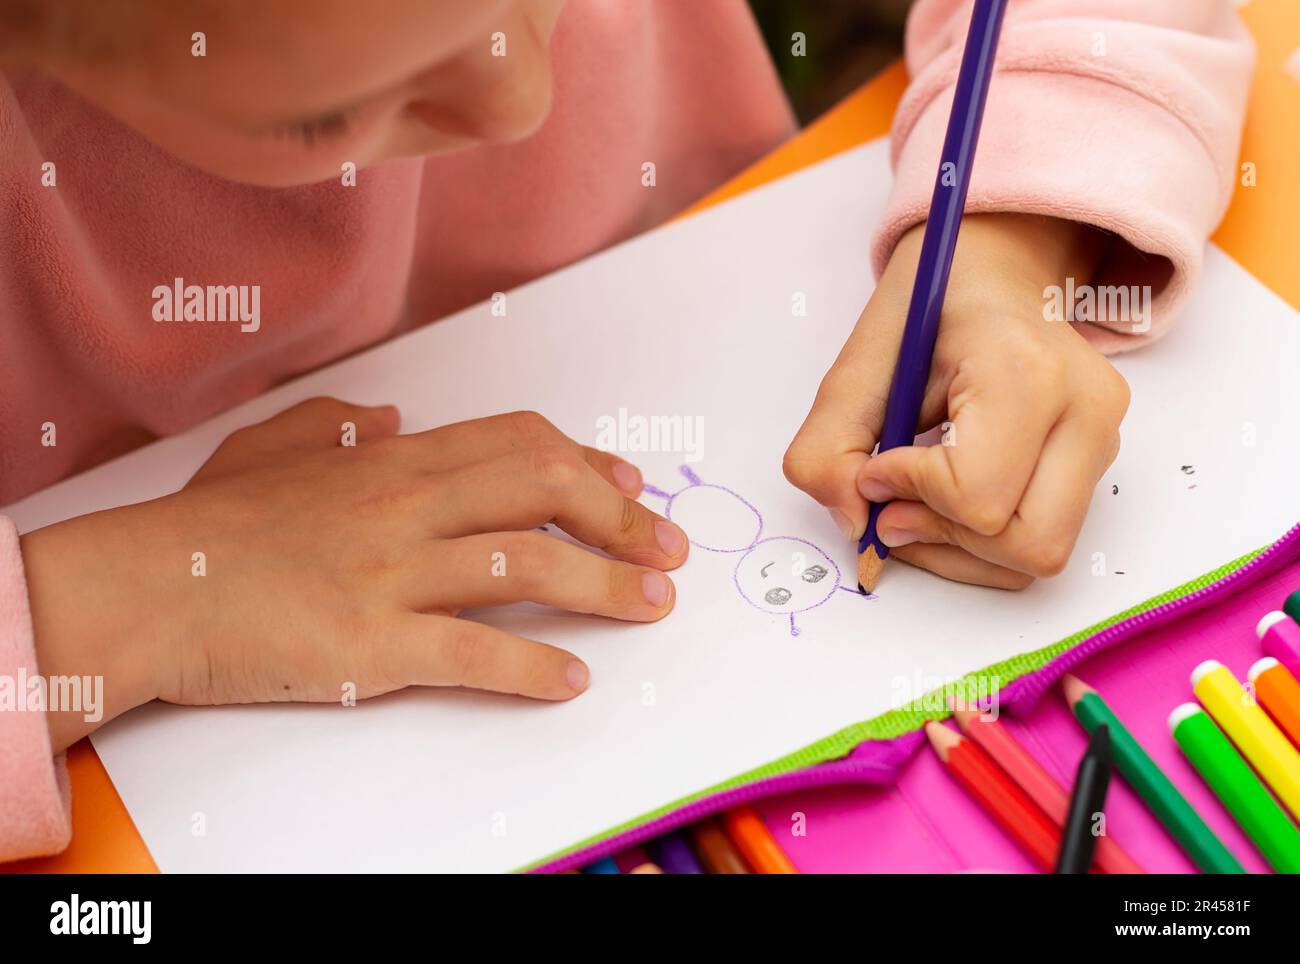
(289, 90)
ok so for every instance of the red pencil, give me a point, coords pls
(1039, 785)
(1020, 817)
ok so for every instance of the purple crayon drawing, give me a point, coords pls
(778, 575)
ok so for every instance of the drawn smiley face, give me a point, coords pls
(784, 575)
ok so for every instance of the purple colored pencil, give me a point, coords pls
(674, 855)
(903, 408)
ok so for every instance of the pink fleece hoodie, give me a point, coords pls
(1123, 115)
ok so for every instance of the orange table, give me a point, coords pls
(1260, 232)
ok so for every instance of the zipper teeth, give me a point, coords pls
(1037, 682)
(831, 773)
(836, 771)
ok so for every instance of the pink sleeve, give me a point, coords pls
(1125, 116)
(34, 798)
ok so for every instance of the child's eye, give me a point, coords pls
(311, 132)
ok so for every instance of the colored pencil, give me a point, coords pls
(1020, 817)
(997, 741)
(951, 183)
(674, 854)
(755, 842)
(1260, 742)
(635, 860)
(1281, 639)
(1279, 693)
(1149, 781)
(1292, 606)
(1091, 780)
(715, 850)
(605, 865)
(1237, 787)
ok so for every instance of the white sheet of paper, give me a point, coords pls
(694, 319)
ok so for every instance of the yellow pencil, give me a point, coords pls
(1259, 740)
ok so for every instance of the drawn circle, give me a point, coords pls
(715, 518)
(766, 575)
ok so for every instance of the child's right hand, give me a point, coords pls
(331, 569)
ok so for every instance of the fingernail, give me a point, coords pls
(670, 538)
(843, 523)
(873, 490)
(577, 675)
(656, 588)
(628, 478)
(897, 537)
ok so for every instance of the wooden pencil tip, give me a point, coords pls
(941, 738)
(964, 717)
(869, 569)
(1074, 688)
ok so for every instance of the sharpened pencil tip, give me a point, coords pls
(941, 738)
(870, 566)
(963, 715)
(1074, 688)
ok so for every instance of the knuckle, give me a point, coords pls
(618, 589)
(555, 466)
(629, 520)
(240, 437)
(988, 517)
(1112, 451)
(1045, 556)
(531, 427)
(801, 468)
(1030, 354)
(323, 406)
(1105, 394)
(1117, 391)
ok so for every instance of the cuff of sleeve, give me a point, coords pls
(1076, 147)
(35, 800)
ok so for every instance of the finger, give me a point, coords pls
(844, 422)
(452, 446)
(500, 568)
(1047, 524)
(955, 563)
(1003, 411)
(1042, 532)
(621, 474)
(427, 650)
(315, 423)
(527, 489)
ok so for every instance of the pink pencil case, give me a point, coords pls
(901, 813)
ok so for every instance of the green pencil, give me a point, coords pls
(1149, 781)
(1240, 790)
(1292, 605)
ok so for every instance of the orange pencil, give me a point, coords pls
(1039, 785)
(636, 861)
(715, 851)
(755, 842)
(1278, 692)
(1020, 817)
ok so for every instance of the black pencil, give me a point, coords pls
(1086, 801)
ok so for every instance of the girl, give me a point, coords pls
(372, 166)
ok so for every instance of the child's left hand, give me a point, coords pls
(1031, 411)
